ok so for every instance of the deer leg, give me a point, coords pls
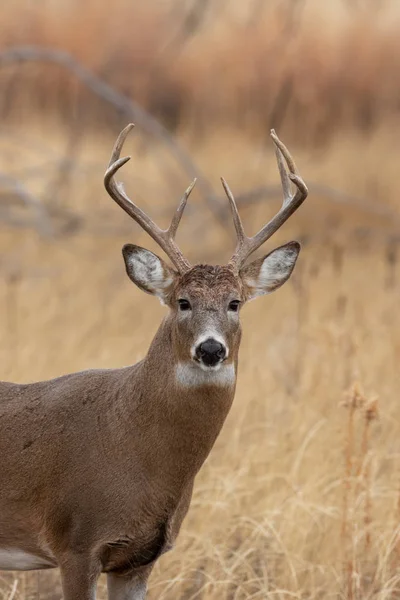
(127, 587)
(79, 575)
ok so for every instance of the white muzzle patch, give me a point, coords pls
(188, 374)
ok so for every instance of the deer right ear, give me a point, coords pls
(148, 271)
(268, 273)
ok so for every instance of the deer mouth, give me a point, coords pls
(209, 366)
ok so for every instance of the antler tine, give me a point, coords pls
(237, 221)
(176, 219)
(165, 238)
(285, 181)
(248, 245)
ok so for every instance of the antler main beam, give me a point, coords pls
(165, 238)
(247, 245)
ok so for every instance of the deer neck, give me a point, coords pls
(181, 408)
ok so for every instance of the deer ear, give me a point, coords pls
(268, 273)
(148, 271)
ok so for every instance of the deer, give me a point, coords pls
(97, 467)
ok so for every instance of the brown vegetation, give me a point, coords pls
(200, 65)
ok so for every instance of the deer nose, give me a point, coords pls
(210, 352)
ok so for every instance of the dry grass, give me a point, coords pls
(300, 496)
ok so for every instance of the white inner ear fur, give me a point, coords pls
(147, 270)
(274, 270)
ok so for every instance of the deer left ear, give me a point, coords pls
(268, 273)
(148, 271)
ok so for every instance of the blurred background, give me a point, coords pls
(300, 497)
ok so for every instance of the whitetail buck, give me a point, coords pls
(97, 467)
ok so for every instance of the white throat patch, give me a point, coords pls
(193, 375)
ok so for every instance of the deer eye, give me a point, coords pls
(184, 304)
(234, 305)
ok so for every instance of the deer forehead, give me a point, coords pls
(209, 283)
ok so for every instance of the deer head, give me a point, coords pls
(204, 300)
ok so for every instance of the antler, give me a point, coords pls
(248, 245)
(165, 238)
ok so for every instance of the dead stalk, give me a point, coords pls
(353, 402)
(364, 467)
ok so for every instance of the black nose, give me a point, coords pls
(210, 352)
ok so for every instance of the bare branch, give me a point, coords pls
(123, 104)
(42, 219)
(260, 194)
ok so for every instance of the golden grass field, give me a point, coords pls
(300, 497)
